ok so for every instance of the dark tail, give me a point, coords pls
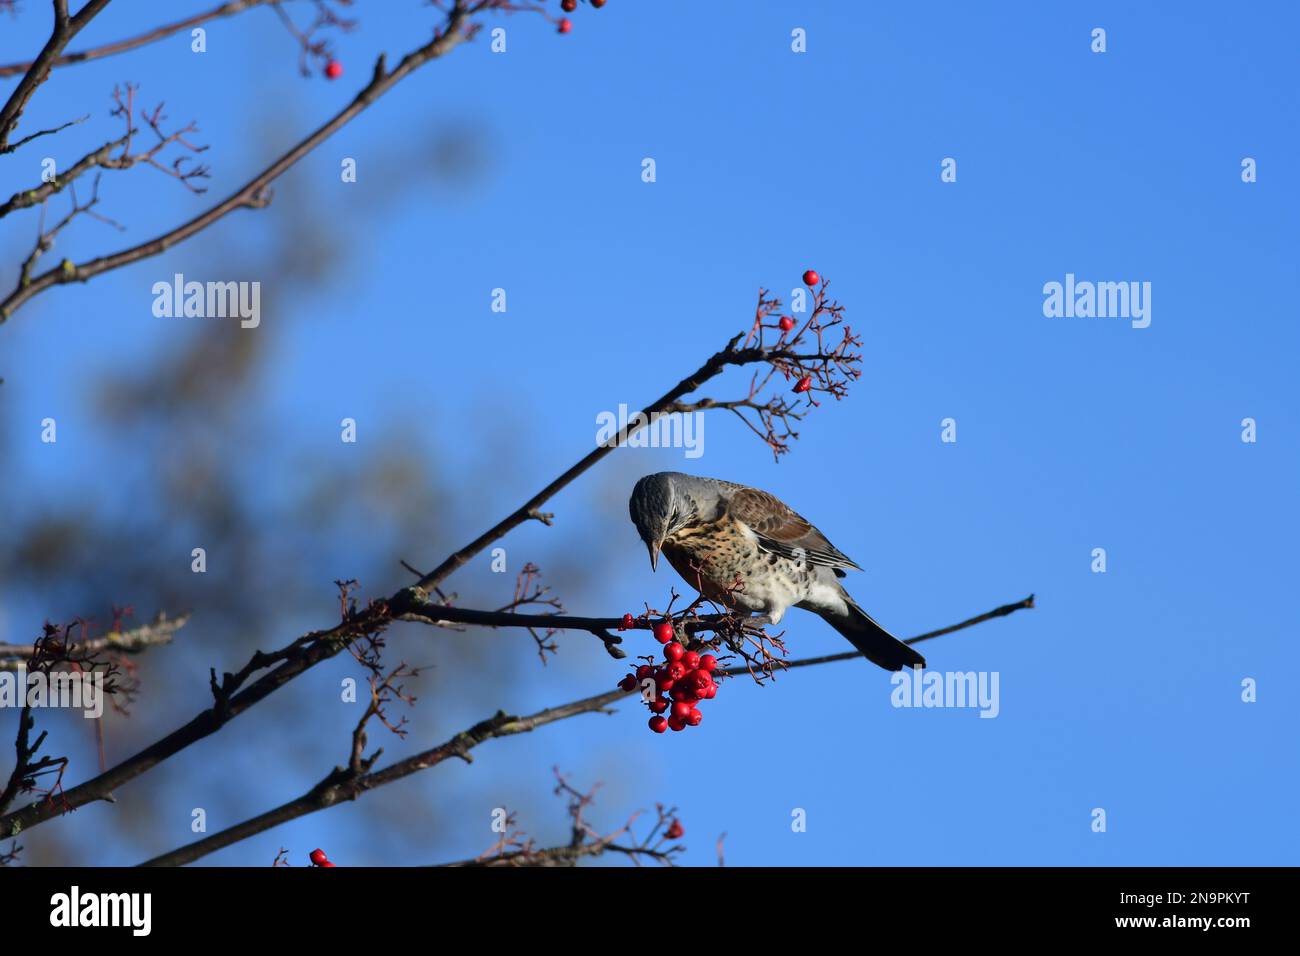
(880, 647)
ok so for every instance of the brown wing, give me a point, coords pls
(782, 531)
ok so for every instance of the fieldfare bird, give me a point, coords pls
(715, 533)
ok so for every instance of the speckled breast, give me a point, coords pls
(710, 557)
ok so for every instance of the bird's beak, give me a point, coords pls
(654, 556)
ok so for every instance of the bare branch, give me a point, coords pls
(133, 641)
(55, 650)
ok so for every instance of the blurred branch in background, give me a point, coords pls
(131, 641)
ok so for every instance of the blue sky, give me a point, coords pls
(1120, 690)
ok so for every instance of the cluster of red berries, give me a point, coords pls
(568, 6)
(679, 685)
(318, 858)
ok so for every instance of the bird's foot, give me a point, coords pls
(752, 627)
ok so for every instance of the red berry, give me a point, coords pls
(811, 277)
(693, 718)
(710, 691)
(664, 632)
(786, 323)
(597, 3)
(628, 683)
(658, 724)
(675, 830)
(333, 70)
(676, 723)
(565, 25)
(690, 660)
(682, 709)
(683, 692)
(708, 662)
(658, 706)
(804, 384)
(676, 670)
(568, 6)
(673, 652)
(644, 671)
(318, 858)
(628, 623)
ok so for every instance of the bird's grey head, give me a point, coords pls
(664, 502)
